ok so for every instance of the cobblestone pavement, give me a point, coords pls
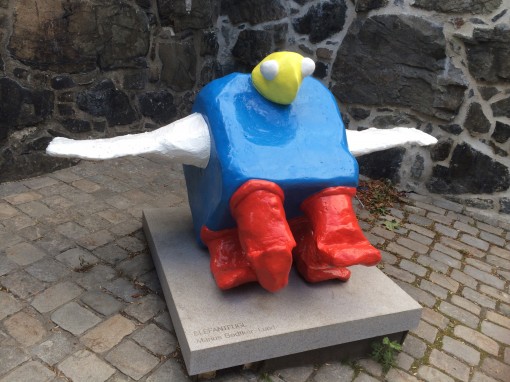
(80, 299)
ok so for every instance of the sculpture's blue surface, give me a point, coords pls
(302, 147)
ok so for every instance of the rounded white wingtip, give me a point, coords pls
(269, 69)
(307, 67)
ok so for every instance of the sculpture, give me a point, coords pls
(269, 174)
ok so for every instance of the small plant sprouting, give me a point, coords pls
(385, 352)
(391, 225)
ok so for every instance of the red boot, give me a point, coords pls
(229, 265)
(264, 234)
(307, 258)
(338, 237)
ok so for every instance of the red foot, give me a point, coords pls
(307, 258)
(264, 234)
(229, 264)
(337, 234)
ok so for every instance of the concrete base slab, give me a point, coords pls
(220, 329)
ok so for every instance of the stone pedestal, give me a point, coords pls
(219, 329)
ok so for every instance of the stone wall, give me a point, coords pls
(90, 68)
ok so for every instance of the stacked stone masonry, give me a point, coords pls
(80, 299)
(94, 68)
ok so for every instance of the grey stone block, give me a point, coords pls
(219, 329)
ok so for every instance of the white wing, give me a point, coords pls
(187, 141)
(371, 140)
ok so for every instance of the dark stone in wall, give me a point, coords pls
(144, 3)
(322, 20)
(321, 70)
(487, 92)
(104, 100)
(62, 82)
(135, 81)
(158, 105)
(470, 172)
(398, 60)
(76, 125)
(209, 43)
(367, 5)
(476, 122)
(203, 14)
(504, 205)
(441, 150)
(459, 6)
(480, 203)
(65, 110)
(358, 113)
(252, 11)
(452, 129)
(417, 167)
(279, 32)
(501, 108)
(488, 53)
(252, 46)
(382, 164)
(501, 132)
(69, 36)
(179, 64)
(395, 119)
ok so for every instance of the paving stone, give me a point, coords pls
(396, 375)
(422, 239)
(496, 332)
(22, 284)
(495, 369)
(475, 242)
(22, 198)
(425, 331)
(448, 251)
(413, 267)
(484, 277)
(40, 182)
(478, 298)
(333, 371)
(145, 308)
(6, 265)
(131, 244)
(101, 302)
(132, 359)
(430, 374)
(111, 253)
(31, 371)
(479, 340)
(35, 209)
(464, 279)
(7, 212)
(84, 366)
(459, 314)
(466, 304)
(399, 274)
(95, 239)
(414, 347)
(24, 253)
(10, 188)
(383, 232)
(74, 318)
(8, 304)
(388, 258)
(434, 318)
(57, 202)
(362, 377)
(444, 281)
(77, 258)
(47, 270)
(498, 261)
(157, 340)
(419, 220)
(449, 365)
(86, 185)
(461, 351)
(413, 245)
(462, 247)
(25, 329)
(136, 266)
(498, 319)
(55, 296)
(404, 361)
(164, 320)
(20, 224)
(434, 289)
(171, 370)
(480, 377)
(123, 289)
(480, 265)
(56, 348)
(503, 253)
(371, 367)
(113, 215)
(447, 231)
(418, 294)
(108, 334)
(72, 230)
(507, 355)
(53, 242)
(10, 357)
(492, 238)
(400, 250)
(96, 278)
(8, 239)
